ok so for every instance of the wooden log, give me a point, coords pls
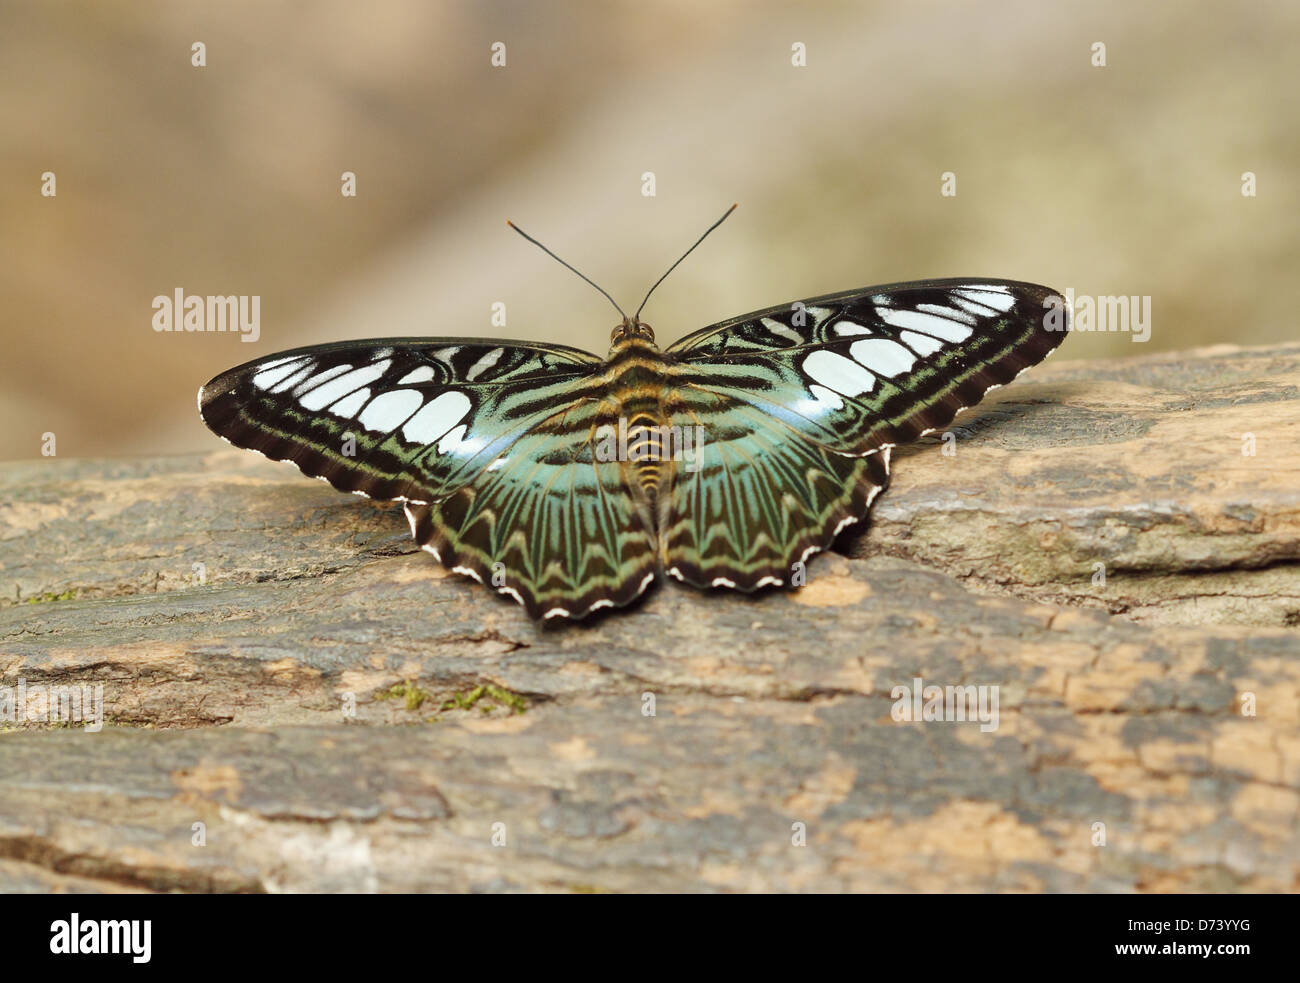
(297, 699)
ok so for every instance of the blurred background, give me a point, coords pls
(226, 179)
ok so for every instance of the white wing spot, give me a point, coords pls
(839, 373)
(336, 389)
(923, 343)
(940, 327)
(994, 297)
(320, 377)
(303, 372)
(349, 405)
(452, 440)
(388, 411)
(272, 372)
(948, 312)
(436, 418)
(422, 374)
(781, 330)
(445, 354)
(484, 363)
(826, 398)
(979, 310)
(848, 327)
(883, 357)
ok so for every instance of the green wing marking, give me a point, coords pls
(549, 523)
(761, 498)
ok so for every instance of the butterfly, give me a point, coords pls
(572, 483)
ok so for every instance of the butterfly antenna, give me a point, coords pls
(637, 316)
(566, 265)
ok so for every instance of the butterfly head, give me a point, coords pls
(632, 327)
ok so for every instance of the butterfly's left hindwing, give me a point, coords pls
(553, 524)
(800, 404)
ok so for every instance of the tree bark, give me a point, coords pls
(1109, 548)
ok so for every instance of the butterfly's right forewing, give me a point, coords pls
(879, 366)
(800, 404)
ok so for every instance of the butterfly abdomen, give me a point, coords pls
(646, 449)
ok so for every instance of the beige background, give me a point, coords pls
(225, 179)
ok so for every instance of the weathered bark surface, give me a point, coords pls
(230, 702)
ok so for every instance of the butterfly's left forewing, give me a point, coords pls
(401, 418)
(489, 444)
(788, 397)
